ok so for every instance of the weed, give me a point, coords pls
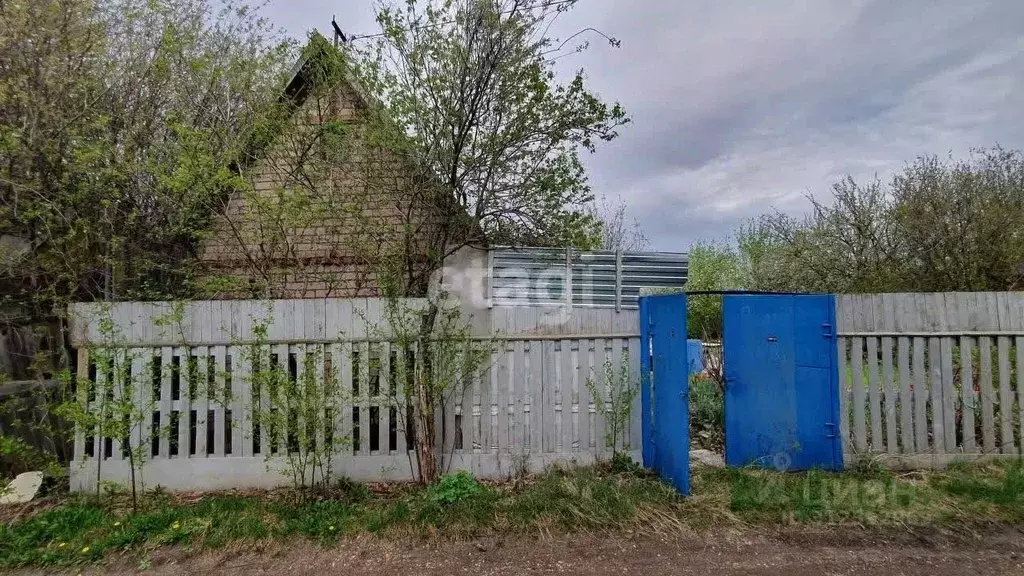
(607, 497)
(1002, 486)
(623, 463)
(454, 488)
(707, 413)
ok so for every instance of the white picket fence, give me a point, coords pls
(928, 379)
(526, 408)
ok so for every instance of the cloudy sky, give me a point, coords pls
(742, 107)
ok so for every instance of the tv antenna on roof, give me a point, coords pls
(338, 34)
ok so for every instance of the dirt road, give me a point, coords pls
(798, 553)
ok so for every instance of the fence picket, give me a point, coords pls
(384, 396)
(549, 382)
(967, 394)
(363, 398)
(534, 386)
(201, 402)
(565, 392)
(586, 355)
(844, 394)
(241, 392)
(1020, 388)
(906, 401)
(503, 424)
(888, 396)
(948, 394)
(988, 436)
(920, 398)
(1007, 445)
(860, 435)
(484, 379)
(597, 380)
(935, 395)
(877, 440)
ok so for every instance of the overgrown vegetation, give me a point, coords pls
(938, 225)
(707, 413)
(82, 530)
(613, 391)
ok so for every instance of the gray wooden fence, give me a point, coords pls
(928, 379)
(527, 407)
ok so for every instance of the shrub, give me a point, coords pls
(454, 488)
(707, 413)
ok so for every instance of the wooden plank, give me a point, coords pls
(988, 432)
(874, 397)
(935, 395)
(948, 395)
(845, 402)
(906, 400)
(889, 396)
(920, 398)
(1007, 445)
(968, 398)
(860, 435)
(1020, 387)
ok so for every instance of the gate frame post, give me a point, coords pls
(646, 416)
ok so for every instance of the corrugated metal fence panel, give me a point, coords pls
(651, 270)
(528, 276)
(532, 276)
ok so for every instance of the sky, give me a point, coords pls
(740, 108)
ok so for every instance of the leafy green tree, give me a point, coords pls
(713, 266)
(939, 225)
(489, 138)
(120, 121)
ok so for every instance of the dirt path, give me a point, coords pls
(799, 553)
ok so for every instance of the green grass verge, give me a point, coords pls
(83, 530)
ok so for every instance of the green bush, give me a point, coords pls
(454, 488)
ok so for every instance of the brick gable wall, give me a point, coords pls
(312, 226)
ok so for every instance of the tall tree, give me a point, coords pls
(486, 131)
(119, 121)
(617, 230)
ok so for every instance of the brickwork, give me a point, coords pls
(317, 219)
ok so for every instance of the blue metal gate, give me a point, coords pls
(665, 388)
(781, 381)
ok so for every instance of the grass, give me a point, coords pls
(83, 530)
